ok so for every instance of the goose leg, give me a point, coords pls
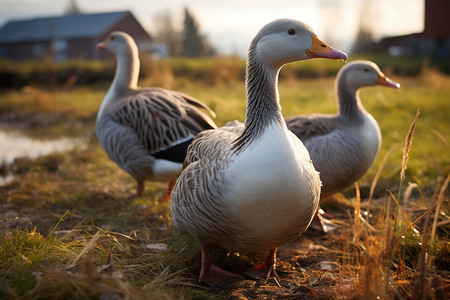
(210, 273)
(316, 222)
(268, 268)
(168, 193)
(140, 188)
(320, 221)
(139, 191)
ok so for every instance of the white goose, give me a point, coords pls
(343, 146)
(255, 189)
(146, 131)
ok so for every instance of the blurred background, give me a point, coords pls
(402, 27)
(48, 59)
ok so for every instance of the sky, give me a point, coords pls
(230, 25)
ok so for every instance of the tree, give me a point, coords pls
(165, 33)
(73, 8)
(367, 20)
(193, 44)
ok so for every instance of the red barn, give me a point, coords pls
(434, 41)
(67, 37)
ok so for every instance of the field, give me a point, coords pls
(68, 231)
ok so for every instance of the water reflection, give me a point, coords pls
(14, 145)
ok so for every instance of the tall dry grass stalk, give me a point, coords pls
(439, 200)
(377, 177)
(408, 144)
(357, 215)
(441, 136)
(419, 283)
(375, 248)
(86, 248)
(406, 149)
(383, 263)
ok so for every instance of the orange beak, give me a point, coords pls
(319, 49)
(385, 81)
(101, 45)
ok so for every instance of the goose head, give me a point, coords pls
(285, 40)
(361, 73)
(126, 52)
(120, 44)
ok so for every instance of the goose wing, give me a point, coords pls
(210, 145)
(198, 193)
(314, 125)
(161, 118)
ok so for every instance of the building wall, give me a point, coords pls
(18, 50)
(130, 25)
(27, 50)
(437, 20)
(434, 41)
(79, 48)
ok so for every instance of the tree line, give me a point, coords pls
(187, 42)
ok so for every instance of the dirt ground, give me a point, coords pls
(316, 266)
(307, 267)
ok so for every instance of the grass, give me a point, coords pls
(69, 231)
(180, 71)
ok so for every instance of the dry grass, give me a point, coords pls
(380, 247)
(68, 231)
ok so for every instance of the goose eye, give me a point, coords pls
(112, 38)
(291, 31)
(366, 70)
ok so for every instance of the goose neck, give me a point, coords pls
(348, 102)
(263, 104)
(125, 78)
(127, 72)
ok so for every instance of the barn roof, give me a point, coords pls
(64, 27)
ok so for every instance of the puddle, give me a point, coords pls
(5, 179)
(13, 144)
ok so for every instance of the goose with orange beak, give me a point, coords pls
(252, 187)
(146, 131)
(343, 146)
